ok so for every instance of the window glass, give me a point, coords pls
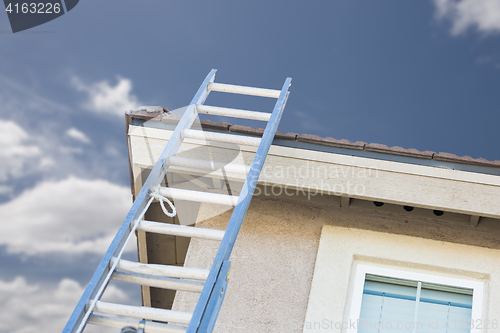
(390, 305)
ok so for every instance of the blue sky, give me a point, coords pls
(417, 74)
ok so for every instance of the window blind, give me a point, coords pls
(395, 305)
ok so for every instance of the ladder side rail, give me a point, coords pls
(203, 313)
(215, 302)
(76, 322)
(99, 280)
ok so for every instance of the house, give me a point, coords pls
(340, 236)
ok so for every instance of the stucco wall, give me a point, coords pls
(274, 258)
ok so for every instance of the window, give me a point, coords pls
(413, 306)
(387, 300)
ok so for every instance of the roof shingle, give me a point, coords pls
(168, 117)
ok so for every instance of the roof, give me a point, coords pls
(328, 141)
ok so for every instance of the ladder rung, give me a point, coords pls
(143, 312)
(149, 327)
(163, 270)
(180, 230)
(230, 88)
(208, 165)
(206, 197)
(158, 281)
(235, 113)
(221, 137)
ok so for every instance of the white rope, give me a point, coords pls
(156, 194)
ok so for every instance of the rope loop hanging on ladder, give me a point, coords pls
(156, 194)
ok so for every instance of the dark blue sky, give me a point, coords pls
(377, 71)
(416, 74)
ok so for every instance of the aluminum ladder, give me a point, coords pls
(211, 283)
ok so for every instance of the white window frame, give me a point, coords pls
(362, 270)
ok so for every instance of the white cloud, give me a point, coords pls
(483, 60)
(66, 150)
(483, 15)
(46, 162)
(20, 99)
(31, 308)
(4, 190)
(77, 135)
(489, 61)
(71, 216)
(307, 122)
(44, 122)
(107, 99)
(16, 150)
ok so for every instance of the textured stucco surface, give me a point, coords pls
(274, 257)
